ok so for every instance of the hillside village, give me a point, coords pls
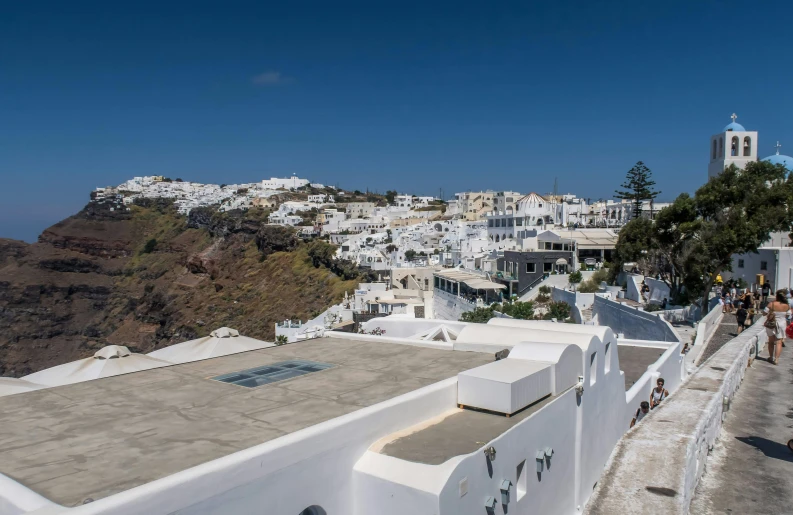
(432, 257)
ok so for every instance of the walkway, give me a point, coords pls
(727, 330)
(750, 469)
(559, 280)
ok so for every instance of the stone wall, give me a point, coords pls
(657, 465)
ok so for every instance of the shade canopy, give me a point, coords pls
(111, 360)
(220, 342)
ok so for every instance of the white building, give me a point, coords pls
(408, 422)
(734, 145)
(287, 183)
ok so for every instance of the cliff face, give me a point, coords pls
(148, 278)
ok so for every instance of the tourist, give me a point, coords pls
(728, 303)
(747, 300)
(766, 289)
(658, 394)
(750, 314)
(723, 306)
(644, 409)
(740, 317)
(777, 311)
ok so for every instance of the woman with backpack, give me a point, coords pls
(777, 313)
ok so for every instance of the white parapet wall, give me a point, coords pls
(657, 465)
(632, 322)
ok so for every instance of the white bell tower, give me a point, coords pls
(734, 145)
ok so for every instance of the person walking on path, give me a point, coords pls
(740, 317)
(658, 393)
(777, 312)
(766, 291)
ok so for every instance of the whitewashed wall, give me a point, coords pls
(446, 306)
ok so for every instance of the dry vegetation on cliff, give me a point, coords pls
(149, 278)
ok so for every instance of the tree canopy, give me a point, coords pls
(693, 240)
(638, 187)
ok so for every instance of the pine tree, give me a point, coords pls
(638, 187)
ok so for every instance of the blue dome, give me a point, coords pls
(780, 159)
(736, 127)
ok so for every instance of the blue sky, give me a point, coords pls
(413, 96)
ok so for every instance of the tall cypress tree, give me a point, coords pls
(638, 187)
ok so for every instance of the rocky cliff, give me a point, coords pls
(148, 277)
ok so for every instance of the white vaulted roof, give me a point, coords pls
(220, 342)
(111, 360)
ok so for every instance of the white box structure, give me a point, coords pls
(505, 386)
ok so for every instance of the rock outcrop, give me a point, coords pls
(91, 280)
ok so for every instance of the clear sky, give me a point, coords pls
(413, 96)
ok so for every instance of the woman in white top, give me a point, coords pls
(776, 334)
(658, 393)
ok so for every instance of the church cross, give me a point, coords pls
(734, 117)
(777, 146)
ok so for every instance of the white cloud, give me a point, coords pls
(271, 78)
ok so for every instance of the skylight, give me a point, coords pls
(266, 374)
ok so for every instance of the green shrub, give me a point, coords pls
(558, 310)
(150, 246)
(545, 289)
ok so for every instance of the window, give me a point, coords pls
(253, 377)
(557, 246)
(740, 263)
(519, 222)
(548, 245)
(511, 221)
(714, 150)
(763, 265)
(490, 223)
(547, 267)
(747, 146)
(531, 268)
(734, 146)
(593, 368)
(566, 247)
(607, 358)
(540, 205)
(498, 222)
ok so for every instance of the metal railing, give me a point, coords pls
(531, 285)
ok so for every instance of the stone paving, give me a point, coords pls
(727, 330)
(750, 469)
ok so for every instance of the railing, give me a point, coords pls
(531, 285)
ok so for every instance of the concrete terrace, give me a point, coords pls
(97, 438)
(463, 431)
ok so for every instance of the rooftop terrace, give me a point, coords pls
(98, 438)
